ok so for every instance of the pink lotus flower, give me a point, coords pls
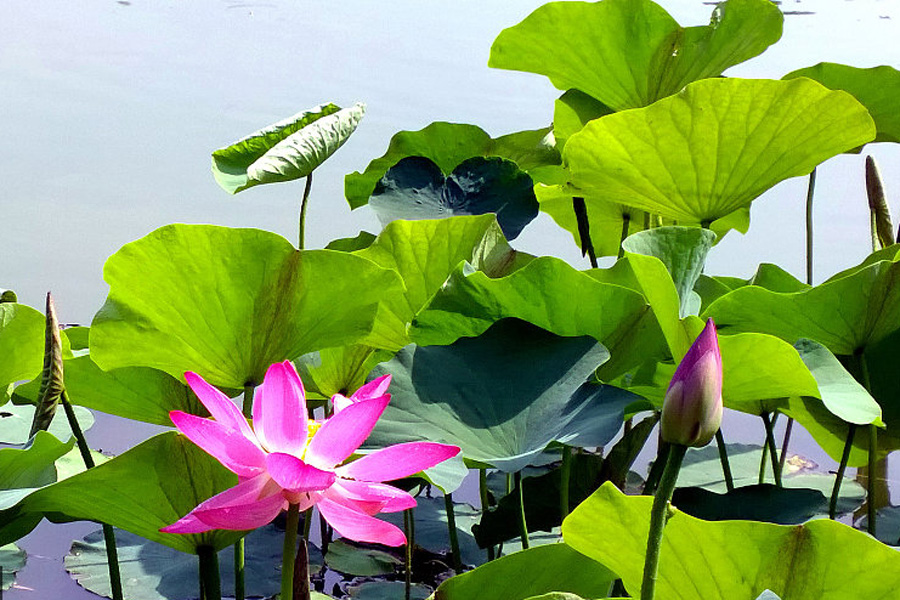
(285, 458)
(692, 410)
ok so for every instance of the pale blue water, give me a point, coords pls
(109, 111)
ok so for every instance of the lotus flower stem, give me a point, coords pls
(485, 503)
(247, 407)
(523, 525)
(723, 458)
(845, 457)
(303, 203)
(289, 553)
(410, 542)
(454, 537)
(658, 518)
(770, 442)
(239, 569)
(565, 476)
(653, 477)
(210, 584)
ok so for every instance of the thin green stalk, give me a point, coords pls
(785, 441)
(845, 457)
(770, 442)
(523, 525)
(626, 221)
(872, 480)
(723, 458)
(109, 534)
(289, 553)
(485, 502)
(410, 542)
(584, 229)
(653, 477)
(658, 518)
(810, 192)
(210, 584)
(239, 569)
(565, 475)
(247, 407)
(451, 528)
(307, 522)
(303, 203)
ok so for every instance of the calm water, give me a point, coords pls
(110, 110)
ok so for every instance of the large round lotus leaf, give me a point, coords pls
(137, 393)
(387, 590)
(151, 571)
(630, 53)
(702, 560)
(447, 145)
(702, 468)
(21, 345)
(552, 567)
(286, 150)
(424, 253)
(12, 559)
(30, 465)
(757, 502)
(227, 303)
(148, 487)
(552, 295)
(416, 188)
(486, 396)
(715, 146)
(15, 423)
(353, 559)
(844, 315)
(876, 88)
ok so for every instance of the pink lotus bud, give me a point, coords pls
(692, 410)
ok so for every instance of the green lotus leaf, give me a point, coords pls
(15, 423)
(630, 53)
(485, 396)
(138, 393)
(550, 294)
(764, 502)
(736, 559)
(845, 315)
(151, 571)
(702, 468)
(352, 559)
(538, 570)
(227, 303)
(21, 345)
(415, 188)
(447, 145)
(387, 590)
(31, 465)
(876, 88)
(769, 276)
(12, 559)
(715, 146)
(572, 111)
(285, 150)
(337, 370)
(148, 487)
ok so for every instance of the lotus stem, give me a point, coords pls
(810, 193)
(239, 569)
(785, 441)
(658, 518)
(626, 221)
(485, 502)
(653, 477)
(210, 584)
(303, 204)
(247, 407)
(845, 457)
(289, 553)
(871, 479)
(451, 530)
(523, 524)
(584, 229)
(770, 442)
(723, 458)
(410, 543)
(565, 476)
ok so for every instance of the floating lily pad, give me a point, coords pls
(353, 559)
(762, 502)
(388, 590)
(12, 559)
(227, 303)
(285, 150)
(630, 53)
(736, 559)
(15, 423)
(553, 567)
(485, 395)
(449, 144)
(715, 146)
(416, 188)
(876, 88)
(152, 571)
